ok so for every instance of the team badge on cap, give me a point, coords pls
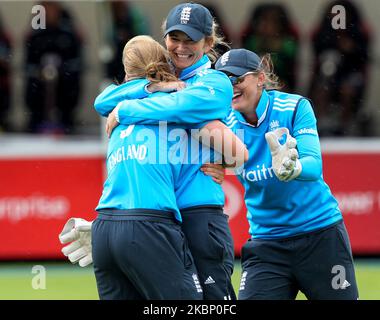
(225, 58)
(185, 15)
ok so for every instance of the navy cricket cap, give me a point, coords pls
(191, 18)
(238, 62)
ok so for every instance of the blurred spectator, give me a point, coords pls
(5, 78)
(340, 72)
(53, 72)
(269, 30)
(223, 30)
(127, 23)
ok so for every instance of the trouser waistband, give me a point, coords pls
(203, 209)
(138, 215)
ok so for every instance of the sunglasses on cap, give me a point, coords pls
(237, 80)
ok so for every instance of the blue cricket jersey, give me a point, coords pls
(192, 186)
(281, 209)
(207, 96)
(136, 178)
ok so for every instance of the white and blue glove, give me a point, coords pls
(78, 232)
(285, 163)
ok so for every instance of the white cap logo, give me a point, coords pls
(225, 58)
(185, 15)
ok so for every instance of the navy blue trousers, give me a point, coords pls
(211, 244)
(142, 255)
(318, 263)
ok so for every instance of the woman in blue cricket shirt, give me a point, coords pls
(298, 238)
(138, 220)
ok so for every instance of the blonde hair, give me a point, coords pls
(144, 57)
(272, 81)
(215, 39)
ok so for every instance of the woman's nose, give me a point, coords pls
(181, 45)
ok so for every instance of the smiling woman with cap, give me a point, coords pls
(298, 237)
(190, 32)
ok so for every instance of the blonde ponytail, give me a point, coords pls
(144, 57)
(159, 71)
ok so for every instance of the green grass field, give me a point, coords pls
(67, 281)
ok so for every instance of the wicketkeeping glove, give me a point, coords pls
(78, 232)
(285, 163)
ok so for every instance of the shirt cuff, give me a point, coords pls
(146, 88)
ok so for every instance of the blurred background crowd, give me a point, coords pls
(47, 82)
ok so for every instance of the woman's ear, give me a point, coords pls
(209, 42)
(261, 79)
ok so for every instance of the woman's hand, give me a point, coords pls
(215, 171)
(111, 122)
(166, 86)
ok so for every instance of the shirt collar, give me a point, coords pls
(262, 107)
(201, 64)
(261, 110)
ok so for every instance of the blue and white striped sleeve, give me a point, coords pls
(230, 121)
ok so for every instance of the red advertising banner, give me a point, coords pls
(354, 180)
(38, 195)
